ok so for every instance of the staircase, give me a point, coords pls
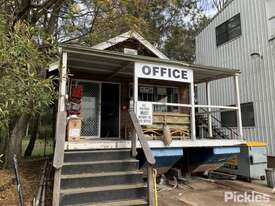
(101, 177)
(218, 131)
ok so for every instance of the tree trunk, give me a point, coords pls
(15, 140)
(3, 143)
(33, 137)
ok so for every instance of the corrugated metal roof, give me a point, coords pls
(83, 57)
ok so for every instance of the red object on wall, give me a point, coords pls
(75, 100)
(77, 92)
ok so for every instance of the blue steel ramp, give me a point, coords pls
(196, 159)
(165, 158)
(210, 158)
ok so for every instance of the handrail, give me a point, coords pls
(224, 126)
(144, 144)
(148, 155)
(60, 133)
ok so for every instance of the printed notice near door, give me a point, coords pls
(145, 113)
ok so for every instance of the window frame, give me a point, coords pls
(234, 113)
(224, 31)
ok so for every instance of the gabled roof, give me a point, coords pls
(128, 35)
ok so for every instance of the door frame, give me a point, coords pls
(99, 107)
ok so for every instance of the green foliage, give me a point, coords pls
(180, 42)
(171, 25)
(23, 88)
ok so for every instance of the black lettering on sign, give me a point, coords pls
(163, 71)
(169, 73)
(146, 70)
(155, 70)
(184, 74)
(176, 73)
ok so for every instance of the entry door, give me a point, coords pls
(109, 110)
(90, 109)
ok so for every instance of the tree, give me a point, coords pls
(23, 89)
(31, 30)
(218, 5)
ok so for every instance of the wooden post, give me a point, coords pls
(208, 99)
(238, 105)
(135, 95)
(62, 84)
(150, 183)
(60, 130)
(193, 119)
(56, 187)
(134, 143)
(135, 90)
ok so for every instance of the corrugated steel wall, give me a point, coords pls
(257, 80)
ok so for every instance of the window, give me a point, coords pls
(159, 94)
(228, 30)
(229, 118)
(270, 11)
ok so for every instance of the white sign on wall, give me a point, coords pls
(163, 72)
(145, 113)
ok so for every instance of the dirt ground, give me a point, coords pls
(29, 173)
(199, 192)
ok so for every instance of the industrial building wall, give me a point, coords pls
(257, 79)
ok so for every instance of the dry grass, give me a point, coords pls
(29, 174)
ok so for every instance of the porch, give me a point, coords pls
(126, 144)
(131, 106)
(111, 84)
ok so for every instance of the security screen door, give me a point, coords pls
(90, 111)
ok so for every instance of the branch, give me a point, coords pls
(49, 4)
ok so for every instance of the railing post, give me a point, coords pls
(134, 144)
(193, 119)
(238, 104)
(133, 133)
(208, 99)
(150, 183)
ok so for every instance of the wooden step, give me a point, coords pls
(128, 202)
(99, 166)
(102, 194)
(96, 155)
(100, 179)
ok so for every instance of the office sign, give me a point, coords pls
(163, 72)
(145, 113)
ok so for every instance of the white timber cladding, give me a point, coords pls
(254, 54)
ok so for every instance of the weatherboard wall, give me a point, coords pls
(257, 79)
